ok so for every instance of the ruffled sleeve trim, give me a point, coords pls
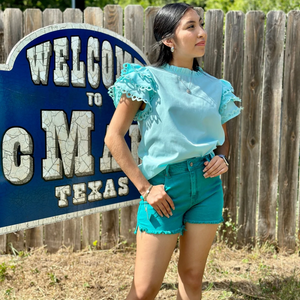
(138, 84)
(228, 109)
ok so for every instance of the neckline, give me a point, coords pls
(182, 71)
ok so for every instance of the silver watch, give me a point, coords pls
(225, 159)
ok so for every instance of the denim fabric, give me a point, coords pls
(197, 199)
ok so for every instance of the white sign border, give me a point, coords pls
(51, 28)
(60, 218)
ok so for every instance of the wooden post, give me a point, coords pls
(72, 228)
(233, 60)
(289, 146)
(33, 20)
(113, 20)
(150, 14)
(251, 122)
(270, 136)
(91, 223)
(2, 61)
(133, 25)
(13, 32)
(213, 57)
(53, 232)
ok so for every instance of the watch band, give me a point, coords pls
(225, 159)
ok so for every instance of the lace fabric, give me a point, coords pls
(228, 109)
(138, 84)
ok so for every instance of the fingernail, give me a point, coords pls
(171, 214)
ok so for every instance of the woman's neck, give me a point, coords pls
(182, 63)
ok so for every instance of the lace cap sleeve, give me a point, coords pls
(138, 84)
(228, 109)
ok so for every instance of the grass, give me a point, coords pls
(262, 273)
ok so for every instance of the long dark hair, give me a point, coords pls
(165, 24)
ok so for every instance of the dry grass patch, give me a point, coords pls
(92, 274)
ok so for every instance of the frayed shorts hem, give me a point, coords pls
(175, 231)
(204, 222)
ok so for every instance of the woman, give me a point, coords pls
(182, 113)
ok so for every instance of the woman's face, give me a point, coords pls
(190, 37)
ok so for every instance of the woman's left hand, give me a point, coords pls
(215, 167)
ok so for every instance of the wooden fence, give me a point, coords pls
(260, 56)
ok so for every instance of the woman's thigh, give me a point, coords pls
(195, 244)
(154, 252)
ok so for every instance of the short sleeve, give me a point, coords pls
(228, 109)
(138, 84)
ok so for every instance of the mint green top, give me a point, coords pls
(183, 116)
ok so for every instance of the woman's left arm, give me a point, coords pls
(217, 166)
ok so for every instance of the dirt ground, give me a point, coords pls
(97, 274)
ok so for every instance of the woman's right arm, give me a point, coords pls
(118, 147)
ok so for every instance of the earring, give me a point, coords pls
(172, 49)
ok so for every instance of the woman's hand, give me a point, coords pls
(215, 167)
(160, 201)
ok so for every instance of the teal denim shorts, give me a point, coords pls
(197, 199)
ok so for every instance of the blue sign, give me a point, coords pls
(53, 118)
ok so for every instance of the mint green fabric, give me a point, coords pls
(176, 125)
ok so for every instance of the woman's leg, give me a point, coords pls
(152, 258)
(195, 244)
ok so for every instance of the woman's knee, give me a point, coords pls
(144, 291)
(191, 278)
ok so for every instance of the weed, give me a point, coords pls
(8, 292)
(225, 295)
(35, 271)
(53, 278)
(3, 269)
(209, 287)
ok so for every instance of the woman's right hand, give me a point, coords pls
(160, 201)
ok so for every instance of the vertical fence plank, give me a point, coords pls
(150, 14)
(13, 32)
(233, 60)
(91, 223)
(213, 57)
(270, 136)
(251, 120)
(289, 150)
(52, 16)
(133, 27)
(72, 228)
(2, 61)
(13, 28)
(2, 53)
(93, 16)
(33, 20)
(71, 15)
(53, 232)
(298, 211)
(113, 20)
